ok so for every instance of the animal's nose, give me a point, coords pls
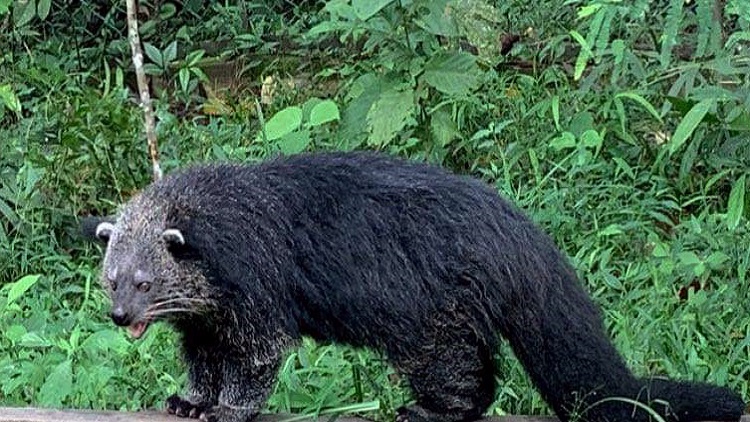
(120, 317)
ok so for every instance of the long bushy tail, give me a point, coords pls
(563, 346)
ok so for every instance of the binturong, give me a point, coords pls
(430, 268)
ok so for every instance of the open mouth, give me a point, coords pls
(137, 328)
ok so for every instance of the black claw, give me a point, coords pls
(208, 416)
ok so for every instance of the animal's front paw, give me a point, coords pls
(227, 414)
(402, 415)
(176, 405)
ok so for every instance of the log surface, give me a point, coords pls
(31, 414)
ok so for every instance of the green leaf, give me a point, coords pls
(689, 258)
(23, 12)
(689, 123)
(736, 205)
(564, 141)
(688, 158)
(284, 122)
(671, 27)
(363, 93)
(106, 340)
(324, 112)
(583, 56)
(9, 98)
(365, 9)
(14, 333)
(581, 122)
(19, 287)
(642, 101)
(556, 111)
(611, 230)
(438, 20)
(194, 57)
(167, 11)
(42, 8)
(591, 139)
(170, 53)
(199, 73)
(741, 123)
(716, 259)
(294, 143)
(34, 340)
(443, 127)
(389, 114)
(57, 386)
(452, 73)
(735, 38)
(612, 281)
(153, 54)
(588, 10)
(184, 77)
(152, 69)
(624, 167)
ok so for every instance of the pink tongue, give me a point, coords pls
(136, 330)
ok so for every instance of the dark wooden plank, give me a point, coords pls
(30, 414)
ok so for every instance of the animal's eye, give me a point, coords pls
(112, 284)
(144, 287)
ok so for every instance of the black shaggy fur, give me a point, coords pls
(357, 248)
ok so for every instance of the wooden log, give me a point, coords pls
(31, 414)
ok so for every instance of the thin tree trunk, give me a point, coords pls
(143, 92)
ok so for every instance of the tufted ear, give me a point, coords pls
(94, 228)
(173, 237)
(104, 231)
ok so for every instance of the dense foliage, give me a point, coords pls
(622, 127)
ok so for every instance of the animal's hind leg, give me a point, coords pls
(451, 380)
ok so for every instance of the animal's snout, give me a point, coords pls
(120, 316)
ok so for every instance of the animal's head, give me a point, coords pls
(147, 270)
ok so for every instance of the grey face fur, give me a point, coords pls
(142, 277)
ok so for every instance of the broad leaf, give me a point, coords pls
(294, 143)
(42, 9)
(324, 112)
(23, 12)
(284, 122)
(153, 54)
(170, 53)
(438, 19)
(389, 114)
(57, 386)
(365, 9)
(443, 127)
(9, 98)
(452, 73)
(364, 92)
